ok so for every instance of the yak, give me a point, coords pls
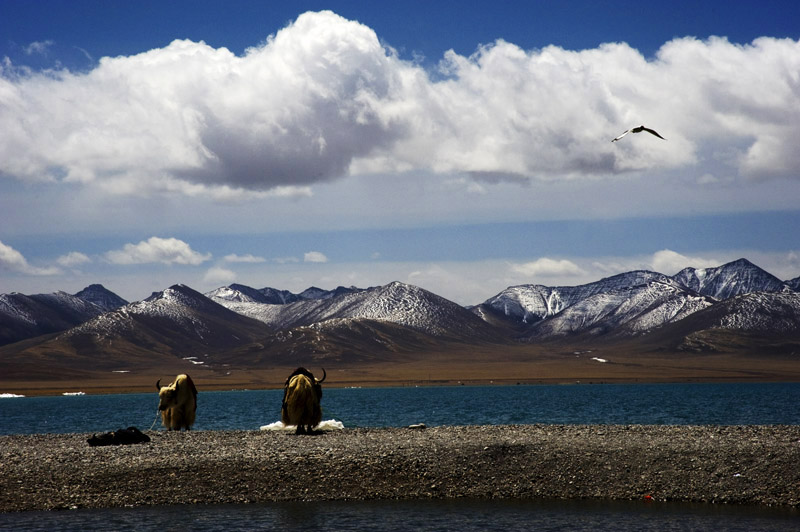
(301, 396)
(177, 403)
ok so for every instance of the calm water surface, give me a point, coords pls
(660, 404)
(455, 515)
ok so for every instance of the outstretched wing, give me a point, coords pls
(652, 132)
(625, 133)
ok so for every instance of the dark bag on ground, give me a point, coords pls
(119, 437)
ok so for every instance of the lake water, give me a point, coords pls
(659, 404)
(681, 404)
(417, 516)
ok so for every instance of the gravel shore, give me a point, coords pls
(719, 464)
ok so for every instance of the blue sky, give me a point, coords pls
(460, 146)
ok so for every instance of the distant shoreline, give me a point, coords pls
(451, 370)
(755, 465)
(470, 365)
(47, 388)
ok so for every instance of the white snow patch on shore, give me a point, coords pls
(328, 424)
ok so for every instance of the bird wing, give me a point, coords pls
(626, 132)
(652, 132)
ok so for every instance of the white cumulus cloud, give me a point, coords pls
(72, 259)
(546, 267)
(13, 260)
(314, 256)
(249, 258)
(671, 262)
(322, 99)
(219, 276)
(155, 249)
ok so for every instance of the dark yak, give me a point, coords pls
(302, 394)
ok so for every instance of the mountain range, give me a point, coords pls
(23, 317)
(736, 307)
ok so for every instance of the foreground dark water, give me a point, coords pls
(455, 515)
(659, 404)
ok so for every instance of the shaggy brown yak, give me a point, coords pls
(301, 397)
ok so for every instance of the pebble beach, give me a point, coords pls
(755, 465)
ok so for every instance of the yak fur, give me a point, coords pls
(302, 394)
(177, 403)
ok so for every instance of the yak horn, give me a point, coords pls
(158, 385)
(323, 376)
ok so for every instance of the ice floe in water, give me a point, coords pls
(73, 393)
(9, 395)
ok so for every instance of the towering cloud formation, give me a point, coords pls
(323, 99)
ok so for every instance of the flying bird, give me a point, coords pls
(639, 130)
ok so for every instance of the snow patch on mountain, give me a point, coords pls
(63, 300)
(23, 316)
(178, 305)
(763, 312)
(794, 284)
(630, 303)
(633, 310)
(730, 280)
(532, 303)
(12, 307)
(237, 293)
(396, 302)
(737, 295)
(232, 294)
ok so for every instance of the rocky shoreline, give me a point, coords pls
(713, 464)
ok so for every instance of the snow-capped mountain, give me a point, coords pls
(24, 316)
(766, 313)
(238, 293)
(628, 311)
(766, 323)
(613, 303)
(396, 302)
(532, 303)
(176, 323)
(247, 327)
(729, 280)
(179, 311)
(180, 324)
(794, 284)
